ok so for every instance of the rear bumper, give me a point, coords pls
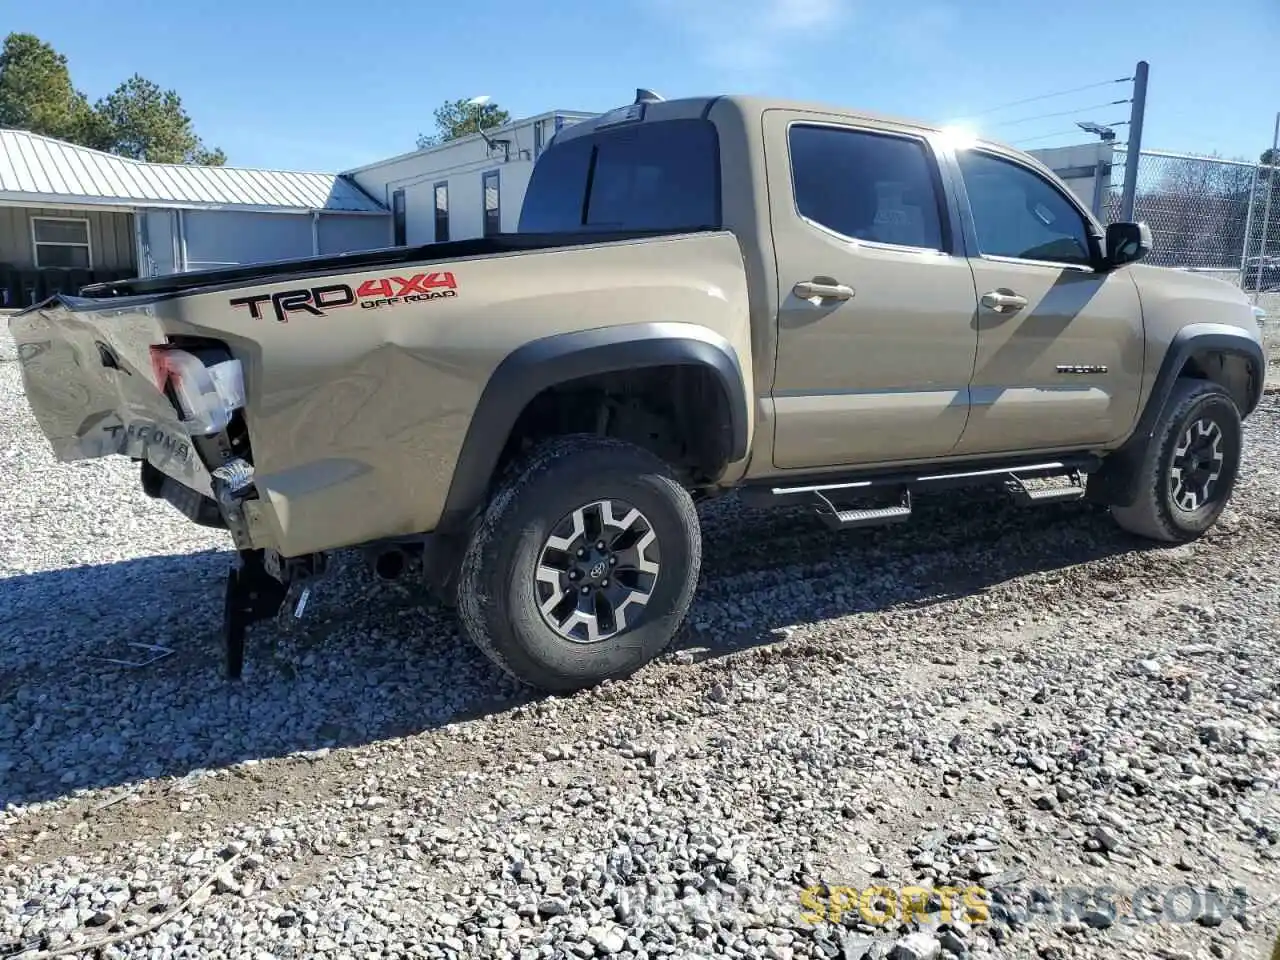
(103, 382)
(91, 385)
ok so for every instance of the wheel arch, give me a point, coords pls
(1218, 352)
(537, 366)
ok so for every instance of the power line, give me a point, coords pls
(1044, 136)
(1061, 113)
(1044, 96)
(1063, 133)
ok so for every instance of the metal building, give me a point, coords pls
(465, 188)
(70, 216)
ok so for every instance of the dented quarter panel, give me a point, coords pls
(356, 417)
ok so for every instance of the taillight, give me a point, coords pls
(206, 394)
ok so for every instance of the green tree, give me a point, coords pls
(459, 118)
(36, 93)
(141, 121)
(137, 120)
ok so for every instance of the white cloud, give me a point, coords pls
(746, 38)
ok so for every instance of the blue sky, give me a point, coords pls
(323, 85)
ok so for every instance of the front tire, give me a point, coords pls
(583, 566)
(1190, 467)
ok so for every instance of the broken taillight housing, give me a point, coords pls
(206, 394)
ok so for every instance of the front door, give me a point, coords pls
(876, 331)
(1060, 343)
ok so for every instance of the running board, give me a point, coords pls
(855, 517)
(1068, 466)
(827, 496)
(1033, 496)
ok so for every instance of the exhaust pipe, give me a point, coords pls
(390, 563)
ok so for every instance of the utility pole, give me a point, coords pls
(1266, 210)
(1137, 110)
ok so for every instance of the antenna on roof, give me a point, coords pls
(647, 96)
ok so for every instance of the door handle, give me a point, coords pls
(823, 288)
(1003, 301)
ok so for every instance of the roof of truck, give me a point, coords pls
(752, 104)
(696, 106)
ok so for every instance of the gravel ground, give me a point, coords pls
(1029, 702)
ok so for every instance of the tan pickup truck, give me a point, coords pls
(805, 304)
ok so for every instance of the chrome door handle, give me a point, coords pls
(822, 288)
(1003, 301)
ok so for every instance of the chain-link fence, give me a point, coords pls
(1209, 215)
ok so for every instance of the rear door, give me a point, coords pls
(876, 334)
(1060, 343)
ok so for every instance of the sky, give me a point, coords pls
(327, 86)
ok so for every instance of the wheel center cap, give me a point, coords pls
(597, 569)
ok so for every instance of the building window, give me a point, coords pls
(492, 207)
(61, 242)
(442, 211)
(397, 217)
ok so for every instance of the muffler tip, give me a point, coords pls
(390, 564)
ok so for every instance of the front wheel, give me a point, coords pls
(584, 565)
(1189, 471)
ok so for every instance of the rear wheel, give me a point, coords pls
(583, 566)
(1190, 468)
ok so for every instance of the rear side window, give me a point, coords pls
(656, 176)
(867, 186)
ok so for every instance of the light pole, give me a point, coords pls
(478, 103)
(1106, 136)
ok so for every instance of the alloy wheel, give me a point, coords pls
(597, 571)
(1196, 465)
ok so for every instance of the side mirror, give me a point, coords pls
(1127, 243)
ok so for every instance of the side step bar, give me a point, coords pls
(854, 517)
(1020, 480)
(1030, 496)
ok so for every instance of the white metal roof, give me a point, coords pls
(40, 169)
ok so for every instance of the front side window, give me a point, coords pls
(1019, 214)
(492, 205)
(866, 186)
(61, 242)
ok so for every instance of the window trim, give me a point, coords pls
(496, 173)
(435, 210)
(399, 218)
(1091, 232)
(931, 155)
(37, 244)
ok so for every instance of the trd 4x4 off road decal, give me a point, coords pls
(372, 294)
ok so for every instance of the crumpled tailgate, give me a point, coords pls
(92, 385)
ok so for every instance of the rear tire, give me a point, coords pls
(1190, 467)
(561, 621)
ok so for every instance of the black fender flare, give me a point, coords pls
(1114, 483)
(532, 368)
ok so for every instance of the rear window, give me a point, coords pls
(654, 176)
